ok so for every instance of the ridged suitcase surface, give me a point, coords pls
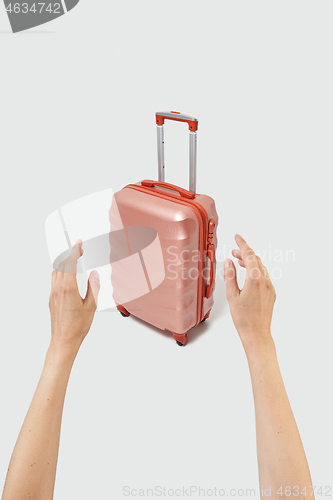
(164, 273)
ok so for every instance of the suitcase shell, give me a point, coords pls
(169, 283)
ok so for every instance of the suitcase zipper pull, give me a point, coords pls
(211, 226)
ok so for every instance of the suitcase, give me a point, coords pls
(163, 246)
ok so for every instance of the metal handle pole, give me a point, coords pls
(193, 162)
(160, 152)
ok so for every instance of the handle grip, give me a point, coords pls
(177, 116)
(181, 191)
(211, 257)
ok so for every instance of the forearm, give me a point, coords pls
(32, 468)
(281, 458)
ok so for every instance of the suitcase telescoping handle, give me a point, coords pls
(193, 127)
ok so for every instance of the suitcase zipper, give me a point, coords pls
(203, 231)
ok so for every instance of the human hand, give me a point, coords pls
(252, 307)
(71, 316)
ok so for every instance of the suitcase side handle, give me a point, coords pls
(212, 259)
(193, 127)
(181, 191)
(177, 116)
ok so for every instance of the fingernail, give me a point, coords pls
(227, 263)
(78, 242)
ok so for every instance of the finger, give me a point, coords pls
(71, 261)
(54, 278)
(69, 265)
(61, 267)
(260, 264)
(248, 256)
(265, 272)
(237, 253)
(93, 288)
(230, 279)
(263, 269)
(261, 272)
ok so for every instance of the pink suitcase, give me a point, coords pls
(163, 246)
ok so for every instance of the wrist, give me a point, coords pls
(258, 343)
(61, 355)
(57, 366)
(262, 359)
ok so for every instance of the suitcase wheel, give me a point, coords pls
(180, 338)
(206, 316)
(123, 311)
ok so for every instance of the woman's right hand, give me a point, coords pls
(252, 307)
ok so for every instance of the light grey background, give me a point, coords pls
(78, 98)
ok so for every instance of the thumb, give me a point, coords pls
(230, 279)
(94, 285)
